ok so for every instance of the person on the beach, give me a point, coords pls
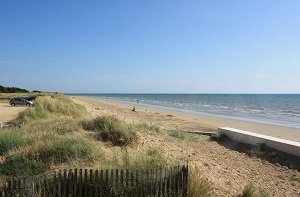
(134, 109)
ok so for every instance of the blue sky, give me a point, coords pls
(157, 46)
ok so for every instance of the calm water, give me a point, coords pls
(273, 109)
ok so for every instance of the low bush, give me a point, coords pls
(63, 149)
(21, 166)
(109, 128)
(198, 185)
(9, 140)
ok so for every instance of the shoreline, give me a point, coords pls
(209, 122)
(196, 113)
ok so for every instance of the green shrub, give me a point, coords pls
(198, 185)
(9, 140)
(20, 166)
(109, 128)
(63, 149)
(216, 137)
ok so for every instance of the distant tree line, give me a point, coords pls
(12, 90)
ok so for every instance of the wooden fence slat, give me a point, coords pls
(117, 182)
(75, 181)
(137, 185)
(131, 191)
(122, 182)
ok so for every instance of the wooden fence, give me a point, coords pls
(168, 181)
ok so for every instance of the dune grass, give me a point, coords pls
(9, 140)
(148, 128)
(198, 185)
(177, 134)
(45, 139)
(44, 106)
(110, 128)
(63, 149)
(250, 191)
(18, 165)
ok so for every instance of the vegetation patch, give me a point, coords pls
(109, 128)
(63, 149)
(178, 134)
(21, 166)
(216, 137)
(250, 191)
(60, 126)
(59, 104)
(198, 185)
(258, 150)
(148, 127)
(9, 140)
(152, 159)
(30, 114)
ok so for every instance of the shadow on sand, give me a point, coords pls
(260, 151)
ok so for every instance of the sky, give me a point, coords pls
(154, 46)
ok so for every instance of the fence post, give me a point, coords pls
(185, 180)
(137, 185)
(85, 185)
(80, 182)
(91, 185)
(131, 183)
(122, 182)
(75, 182)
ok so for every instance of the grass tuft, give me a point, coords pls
(216, 137)
(198, 185)
(109, 128)
(177, 134)
(250, 191)
(9, 140)
(148, 127)
(258, 150)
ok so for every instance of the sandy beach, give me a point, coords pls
(185, 120)
(227, 169)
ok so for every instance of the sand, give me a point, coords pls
(228, 170)
(192, 121)
(8, 113)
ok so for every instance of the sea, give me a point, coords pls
(274, 109)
